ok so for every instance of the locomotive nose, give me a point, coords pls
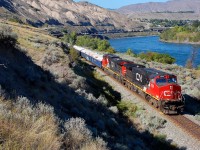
(172, 92)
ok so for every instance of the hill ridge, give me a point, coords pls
(86, 16)
(184, 9)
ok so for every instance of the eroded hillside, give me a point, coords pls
(85, 16)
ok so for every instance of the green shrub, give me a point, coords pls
(130, 52)
(157, 57)
(111, 50)
(161, 137)
(168, 35)
(127, 108)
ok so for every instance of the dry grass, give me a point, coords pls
(28, 37)
(79, 137)
(23, 126)
(97, 144)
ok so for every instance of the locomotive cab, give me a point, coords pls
(165, 89)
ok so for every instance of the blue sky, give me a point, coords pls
(118, 3)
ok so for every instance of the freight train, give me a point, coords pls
(157, 87)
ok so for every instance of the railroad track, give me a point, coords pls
(189, 127)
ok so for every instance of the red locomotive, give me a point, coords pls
(159, 88)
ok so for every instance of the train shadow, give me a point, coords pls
(97, 85)
(21, 77)
(192, 105)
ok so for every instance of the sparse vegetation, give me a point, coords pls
(79, 137)
(51, 56)
(15, 19)
(189, 64)
(7, 37)
(151, 123)
(24, 126)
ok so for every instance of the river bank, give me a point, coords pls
(129, 34)
(179, 42)
(181, 52)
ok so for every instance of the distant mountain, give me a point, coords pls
(173, 9)
(82, 15)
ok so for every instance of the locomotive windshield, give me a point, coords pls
(163, 81)
(172, 80)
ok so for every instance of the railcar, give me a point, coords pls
(159, 88)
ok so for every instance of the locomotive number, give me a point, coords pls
(138, 77)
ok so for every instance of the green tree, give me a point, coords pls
(111, 50)
(94, 43)
(196, 23)
(70, 38)
(74, 55)
(73, 37)
(103, 45)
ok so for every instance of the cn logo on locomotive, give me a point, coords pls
(167, 93)
(138, 77)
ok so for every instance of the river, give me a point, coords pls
(181, 52)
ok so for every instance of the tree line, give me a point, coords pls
(186, 33)
(89, 42)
